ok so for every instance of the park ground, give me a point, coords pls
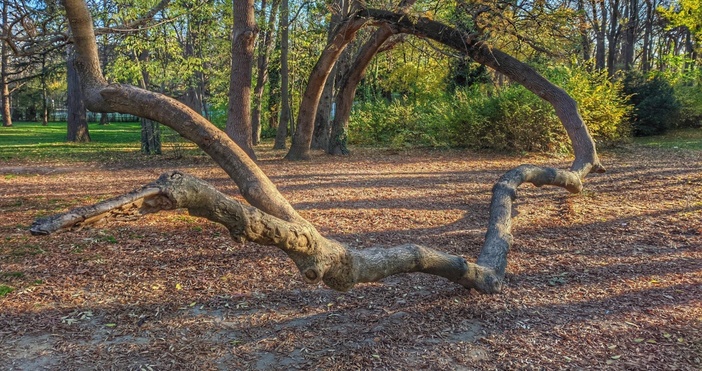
(607, 279)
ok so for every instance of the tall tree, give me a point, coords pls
(4, 73)
(243, 42)
(264, 52)
(282, 131)
(76, 118)
(630, 33)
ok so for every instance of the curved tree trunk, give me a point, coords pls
(302, 139)
(347, 89)
(322, 123)
(239, 111)
(270, 220)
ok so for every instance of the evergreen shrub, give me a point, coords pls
(656, 109)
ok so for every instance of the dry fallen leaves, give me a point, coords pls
(609, 278)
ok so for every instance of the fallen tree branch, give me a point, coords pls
(270, 219)
(319, 258)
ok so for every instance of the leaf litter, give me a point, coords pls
(611, 278)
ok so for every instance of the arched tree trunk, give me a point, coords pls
(347, 89)
(302, 139)
(269, 219)
(481, 52)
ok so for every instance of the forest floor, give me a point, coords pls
(607, 279)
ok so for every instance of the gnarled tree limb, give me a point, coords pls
(270, 219)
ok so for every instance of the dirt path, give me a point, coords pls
(611, 278)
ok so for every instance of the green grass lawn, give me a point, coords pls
(31, 140)
(677, 139)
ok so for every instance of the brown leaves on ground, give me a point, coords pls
(611, 278)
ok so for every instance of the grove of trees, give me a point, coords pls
(386, 86)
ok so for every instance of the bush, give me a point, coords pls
(656, 109)
(601, 103)
(511, 119)
(483, 117)
(690, 97)
(399, 123)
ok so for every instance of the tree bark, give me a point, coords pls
(281, 134)
(347, 90)
(264, 52)
(600, 32)
(648, 33)
(76, 118)
(239, 111)
(300, 148)
(4, 72)
(585, 44)
(630, 34)
(270, 220)
(613, 37)
(150, 130)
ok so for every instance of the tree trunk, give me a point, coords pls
(4, 72)
(150, 137)
(613, 37)
(300, 149)
(150, 130)
(600, 32)
(264, 53)
(44, 93)
(322, 124)
(648, 32)
(239, 111)
(585, 44)
(281, 134)
(630, 35)
(347, 90)
(564, 105)
(269, 219)
(76, 115)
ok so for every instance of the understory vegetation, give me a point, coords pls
(509, 117)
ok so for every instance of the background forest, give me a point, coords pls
(632, 65)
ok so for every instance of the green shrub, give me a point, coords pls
(399, 123)
(483, 117)
(601, 103)
(656, 108)
(690, 97)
